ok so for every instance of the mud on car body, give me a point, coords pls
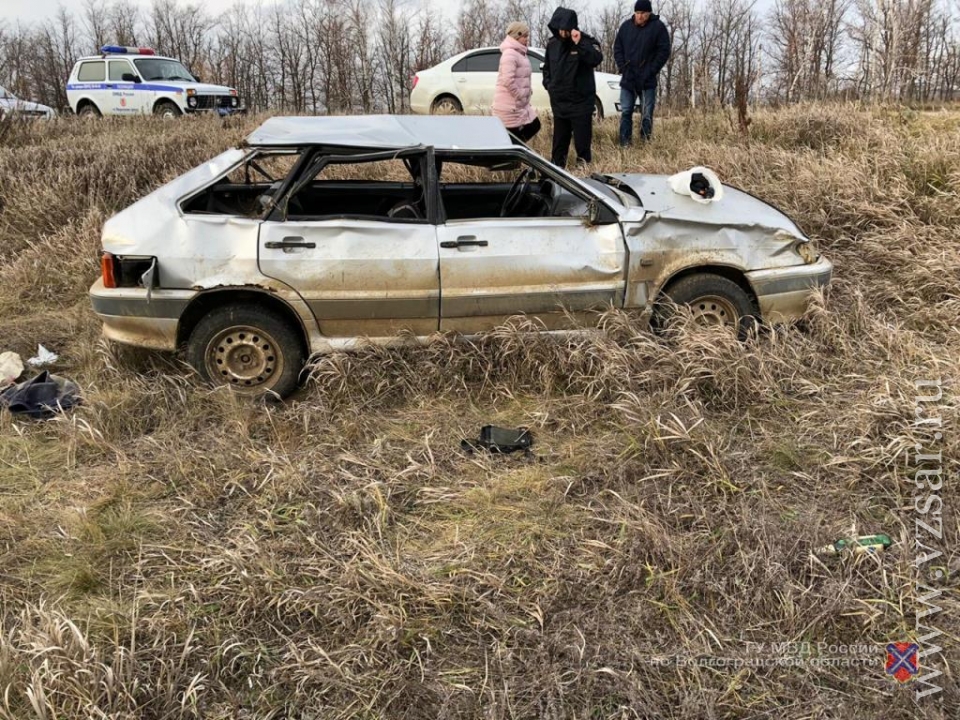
(135, 81)
(318, 232)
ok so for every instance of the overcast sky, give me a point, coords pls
(31, 11)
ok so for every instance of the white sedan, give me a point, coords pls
(12, 106)
(465, 84)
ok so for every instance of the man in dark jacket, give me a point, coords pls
(568, 77)
(641, 50)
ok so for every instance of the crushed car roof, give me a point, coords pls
(384, 131)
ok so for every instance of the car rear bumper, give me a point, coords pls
(784, 293)
(129, 317)
(419, 105)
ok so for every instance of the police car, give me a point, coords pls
(136, 81)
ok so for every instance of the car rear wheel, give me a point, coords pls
(446, 105)
(712, 299)
(89, 111)
(253, 350)
(167, 110)
(597, 109)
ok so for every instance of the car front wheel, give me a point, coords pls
(167, 110)
(712, 300)
(253, 350)
(89, 111)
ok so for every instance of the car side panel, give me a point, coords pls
(361, 277)
(553, 269)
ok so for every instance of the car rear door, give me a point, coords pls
(481, 81)
(361, 275)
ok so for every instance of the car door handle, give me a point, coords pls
(289, 242)
(464, 241)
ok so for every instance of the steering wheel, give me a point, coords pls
(516, 192)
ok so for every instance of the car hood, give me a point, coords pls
(735, 209)
(208, 89)
(201, 88)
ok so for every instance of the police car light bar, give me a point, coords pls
(124, 50)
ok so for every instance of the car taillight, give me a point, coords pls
(415, 80)
(108, 270)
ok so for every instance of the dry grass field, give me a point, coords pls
(169, 552)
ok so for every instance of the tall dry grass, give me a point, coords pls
(170, 552)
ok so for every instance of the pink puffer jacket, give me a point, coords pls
(511, 99)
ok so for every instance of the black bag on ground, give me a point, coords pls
(41, 397)
(500, 440)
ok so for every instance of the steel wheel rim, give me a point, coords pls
(245, 358)
(714, 310)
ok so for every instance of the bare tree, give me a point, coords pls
(350, 56)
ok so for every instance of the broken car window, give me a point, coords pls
(248, 188)
(381, 189)
(492, 186)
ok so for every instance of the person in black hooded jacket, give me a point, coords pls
(641, 50)
(568, 67)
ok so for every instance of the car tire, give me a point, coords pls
(713, 300)
(597, 109)
(253, 350)
(446, 105)
(89, 111)
(167, 110)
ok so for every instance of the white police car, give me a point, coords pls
(135, 81)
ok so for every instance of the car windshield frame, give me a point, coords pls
(174, 76)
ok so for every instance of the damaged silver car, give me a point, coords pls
(319, 232)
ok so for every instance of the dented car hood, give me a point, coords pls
(736, 209)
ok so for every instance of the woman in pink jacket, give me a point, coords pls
(511, 99)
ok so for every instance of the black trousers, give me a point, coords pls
(581, 129)
(525, 132)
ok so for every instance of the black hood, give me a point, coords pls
(563, 19)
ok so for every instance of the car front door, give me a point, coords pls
(556, 268)
(356, 243)
(126, 98)
(540, 99)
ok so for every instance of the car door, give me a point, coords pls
(540, 99)
(555, 269)
(126, 97)
(481, 73)
(363, 274)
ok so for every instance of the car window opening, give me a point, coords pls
(247, 190)
(492, 186)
